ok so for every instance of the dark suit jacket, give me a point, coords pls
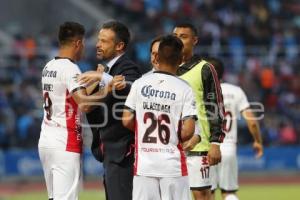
(111, 139)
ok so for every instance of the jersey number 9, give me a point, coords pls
(47, 105)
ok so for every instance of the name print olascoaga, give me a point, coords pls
(157, 96)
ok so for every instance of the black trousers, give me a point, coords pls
(118, 179)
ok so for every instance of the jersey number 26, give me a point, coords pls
(163, 129)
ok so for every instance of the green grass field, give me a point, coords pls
(249, 192)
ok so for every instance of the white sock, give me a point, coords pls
(231, 197)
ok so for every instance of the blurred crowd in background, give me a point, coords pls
(258, 41)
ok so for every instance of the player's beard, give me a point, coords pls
(100, 56)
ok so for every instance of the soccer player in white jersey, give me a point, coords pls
(225, 174)
(161, 109)
(60, 143)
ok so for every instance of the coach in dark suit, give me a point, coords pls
(113, 143)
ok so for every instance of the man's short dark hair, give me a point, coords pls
(187, 25)
(121, 31)
(69, 31)
(156, 39)
(170, 50)
(218, 65)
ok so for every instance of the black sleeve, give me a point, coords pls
(96, 147)
(213, 101)
(131, 73)
(117, 99)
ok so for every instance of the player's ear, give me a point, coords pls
(195, 40)
(120, 46)
(79, 42)
(156, 57)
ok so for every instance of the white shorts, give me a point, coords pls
(62, 171)
(198, 171)
(225, 174)
(175, 188)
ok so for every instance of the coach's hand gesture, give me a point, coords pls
(100, 68)
(90, 77)
(117, 83)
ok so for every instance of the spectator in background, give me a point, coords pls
(4, 139)
(7, 123)
(30, 47)
(287, 134)
(267, 81)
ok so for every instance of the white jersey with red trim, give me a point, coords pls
(235, 101)
(61, 127)
(160, 102)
